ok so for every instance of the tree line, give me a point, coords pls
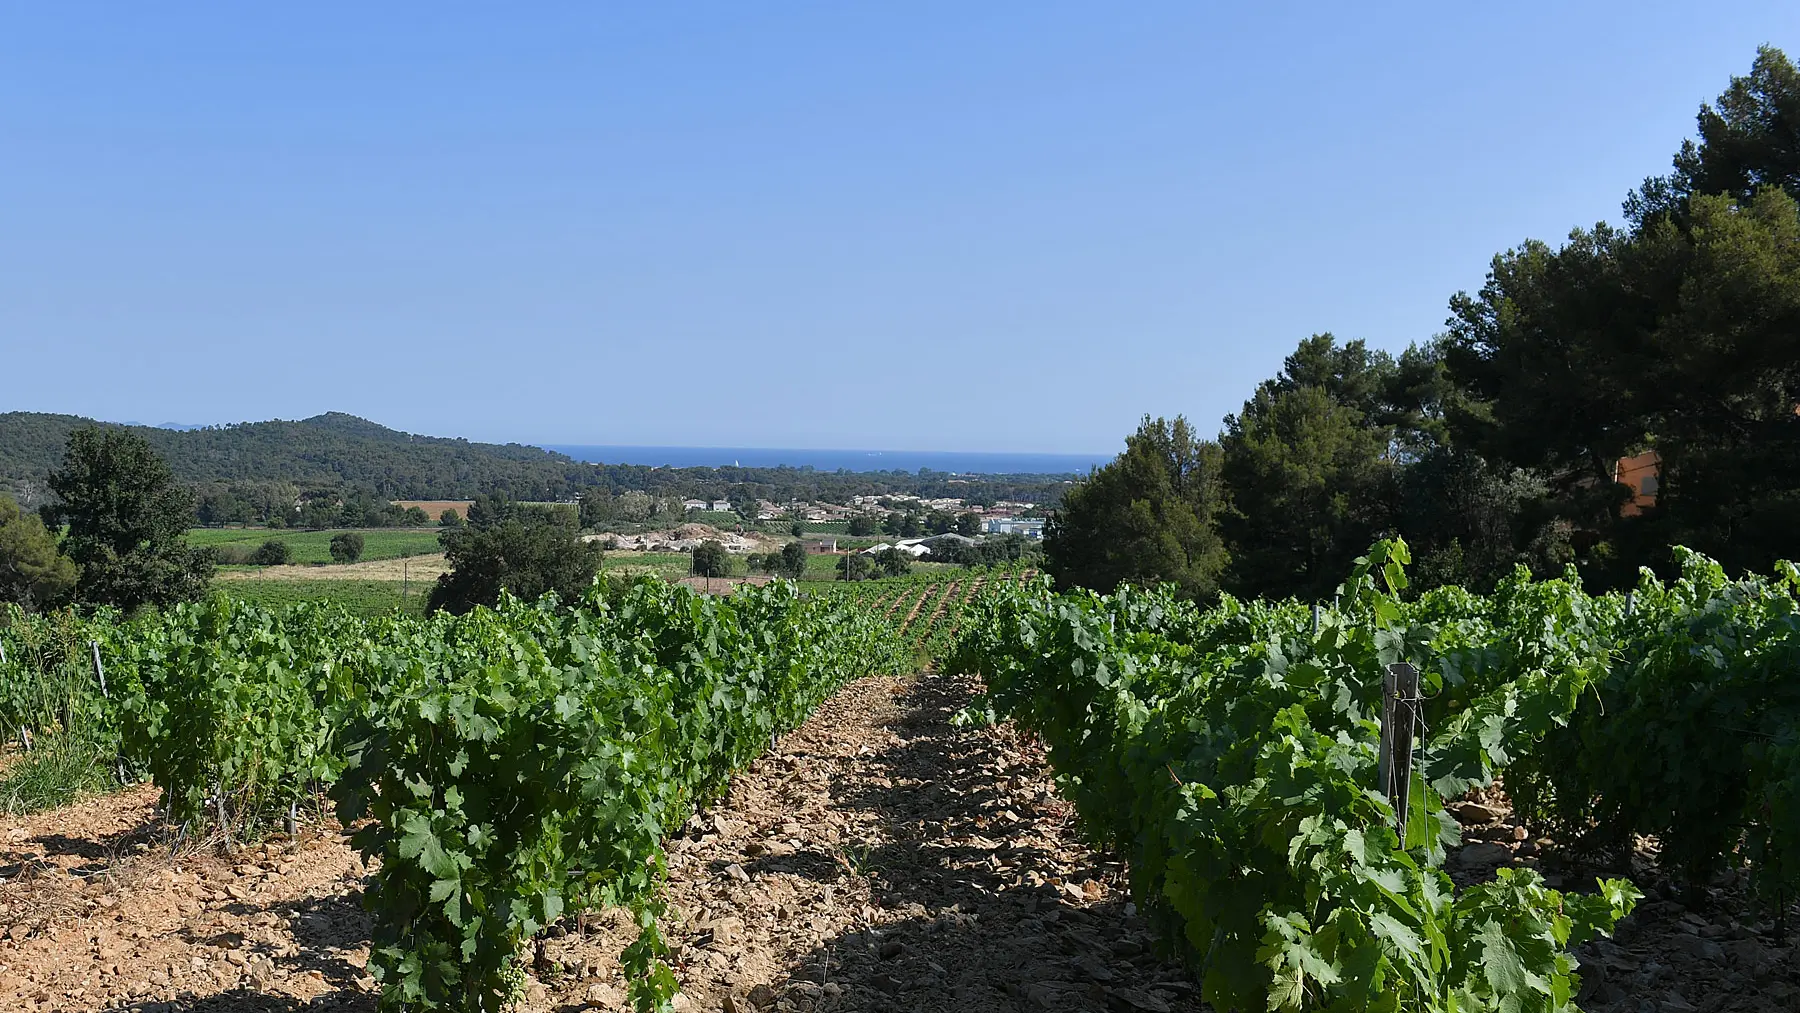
(1672, 339)
(255, 471)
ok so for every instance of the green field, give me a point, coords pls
(724, 520)
(315, 546)
(368, 597)
(667, 565)
(823, 566)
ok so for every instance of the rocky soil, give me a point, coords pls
(1715, 952)
(876, 859)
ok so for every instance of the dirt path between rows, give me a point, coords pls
(876, 859)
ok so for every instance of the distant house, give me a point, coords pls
(694, 504)
(1030, 527)
(913, 549)
(826, 544)
(1642, 472)
(721, 506)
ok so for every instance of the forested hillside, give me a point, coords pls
(339, 451)
(333, 448)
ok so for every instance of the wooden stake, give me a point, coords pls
(1399, 714)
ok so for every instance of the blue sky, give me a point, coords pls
(954, 226)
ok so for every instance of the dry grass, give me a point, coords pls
(416, 568)
(434, 508)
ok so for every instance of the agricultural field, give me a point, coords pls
(314, 547)
(434, 508)
(241, 716)
(667, 565)
(361, 597)
(951, 790)
(823, 566)
(926, 608)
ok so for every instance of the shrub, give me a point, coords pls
(270, 553)
(527, 560)
(710, 560)
(347, 547)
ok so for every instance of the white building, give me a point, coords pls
(1029, 527)
(914, 550)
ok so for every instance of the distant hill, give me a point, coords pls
(332, 449)
(336, 450)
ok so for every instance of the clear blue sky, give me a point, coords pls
(954, 226)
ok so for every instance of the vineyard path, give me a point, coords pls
(877, 858)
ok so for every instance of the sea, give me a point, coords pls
(911, 461)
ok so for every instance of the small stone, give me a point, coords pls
(1699, 947)
(761, 995)
(891, 949)
(1127, 1000)
(886, 982)
(736, 871)
(605, 996)
(1473, 813)
(1477, 856)
(722, 932)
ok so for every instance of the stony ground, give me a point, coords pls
(877, 859)
(1716, 952)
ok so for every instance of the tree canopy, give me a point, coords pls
(1671, 339)
(791, 561)
(127, 522)
(711, 560)
(33, 571)
(527, 558)
(1148, 517)
(1676, 335)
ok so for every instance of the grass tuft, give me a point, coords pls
(59, 770)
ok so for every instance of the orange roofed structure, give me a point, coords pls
(1639, 471)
